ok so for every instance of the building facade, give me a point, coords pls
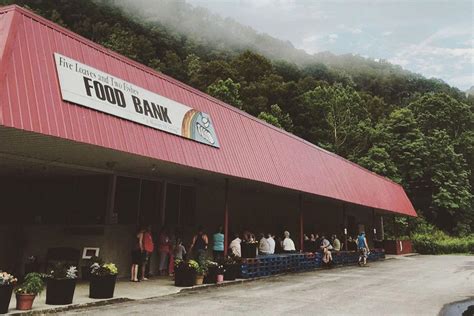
(93, 144)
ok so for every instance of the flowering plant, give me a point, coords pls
(219, 268)
(7, 279)
(103, 269)
(193, 264)
(62, 271)
(231, 260)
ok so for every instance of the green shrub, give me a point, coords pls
(438, 242)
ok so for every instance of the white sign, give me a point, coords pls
(87, 86)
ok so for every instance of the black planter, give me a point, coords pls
(249, 250)
(102, 286)
(5, 296)
(184, 277)
(232, 271)
(60, 292)
(211, 276)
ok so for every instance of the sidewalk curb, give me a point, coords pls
(74, 306)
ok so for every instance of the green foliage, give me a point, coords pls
(33, 284)
(339, 114)
(378, 160)
(417, 131)
(277, 118)
(227, 91)
(405, 144)
(440, 243)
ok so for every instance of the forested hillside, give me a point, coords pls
(417, 131)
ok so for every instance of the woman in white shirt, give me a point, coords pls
(263, 246)
(235, 247)
(271, 243)
(287, 244)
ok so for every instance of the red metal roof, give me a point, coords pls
(249, 148)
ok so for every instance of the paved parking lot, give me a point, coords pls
(418, 285)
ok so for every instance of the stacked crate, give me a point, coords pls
(281, 263)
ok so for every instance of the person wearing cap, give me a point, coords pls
(363, 249)
(287, 244)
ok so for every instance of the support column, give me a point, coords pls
(226, 217)
(139, 202)
(300, 208)
(163, 203)
(374, 228)
(109, 211)
(395, 227)
(344, 224)
(381, 231)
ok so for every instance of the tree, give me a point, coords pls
(405, 144)
(334, 115)
(226, 91)
(211, 72)
(439, 111)
(451, 203)
(378, 160)
(277, 118)
(251, 66)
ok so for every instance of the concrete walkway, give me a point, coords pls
(124, 291)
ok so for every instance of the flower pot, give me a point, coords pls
(102, 286)
(24, 302)
(5, 297)
(184, 277)
(220, 278)
(199, 280)
(211, 276)
(60, 292)
(232, 271)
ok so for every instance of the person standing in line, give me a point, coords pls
(147, 250)
(326, 248)
(136, 256)
(218, 244)
(271, 242)
(199, 245)
(363, 249)
(336, 243)
(235, 246)
(179, 251)
(263, 245)
(287, 244)
(164, 246)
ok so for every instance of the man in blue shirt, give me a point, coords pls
(363, 249)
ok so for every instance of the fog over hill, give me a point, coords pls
(227, 34)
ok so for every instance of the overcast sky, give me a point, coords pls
(434, 38)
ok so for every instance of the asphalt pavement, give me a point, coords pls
(418, 285)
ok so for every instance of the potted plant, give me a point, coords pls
(200, 269)
(26, 293)
(60, 284)
(7, 281)
(102, 280)
(86, 268)
(184, 273)
(220, 273)
(231, 268)
(215, 272)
